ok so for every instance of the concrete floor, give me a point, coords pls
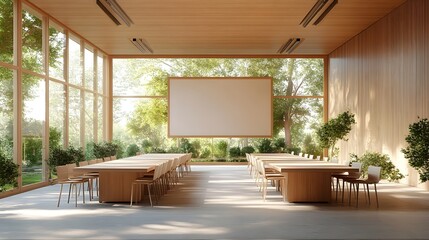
(216, 202)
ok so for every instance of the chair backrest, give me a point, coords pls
(113, 157)
(356, 165)
(374, 174)
(311, 156)
(70, 170)
(106, 159)
(318, 158)
(325, 159)
(99, 160)
(334, 160)
(306, 155)
(300, 154)
(62, 172)
(83, 163)
(292, 152)
(93, 161)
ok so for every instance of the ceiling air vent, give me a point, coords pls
(316, 11)
(290, 45)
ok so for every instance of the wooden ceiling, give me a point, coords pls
(217, 27)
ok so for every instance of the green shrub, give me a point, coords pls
(146, 146)
(32, 151)
(234, 152)
(247, 149)
(205, 153)
(107, 149)
(8, 173)
(220, 149)
(173, 149)
(158, 150)
(265, 146)
(132, 150)
(388, 170)
(279, 145)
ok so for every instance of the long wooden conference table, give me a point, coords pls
(306, 180)
(115, 177)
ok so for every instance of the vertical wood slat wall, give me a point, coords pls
(382, 75)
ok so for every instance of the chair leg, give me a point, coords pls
(376, 194)
(59, 198)
(75, 192)
(132, 193)
(150, 197)
(369, 196)
(70, 188)
(357, 195)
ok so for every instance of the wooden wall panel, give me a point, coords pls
(382, 75)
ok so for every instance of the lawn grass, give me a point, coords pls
(31, 177)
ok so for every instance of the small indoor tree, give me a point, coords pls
(334, 130)
(417, 151)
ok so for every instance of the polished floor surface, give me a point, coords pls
(217, 202)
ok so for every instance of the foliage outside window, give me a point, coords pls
(140, 113)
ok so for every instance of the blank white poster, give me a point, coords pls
(220, 107)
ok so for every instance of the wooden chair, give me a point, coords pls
(72, 175)
(344, 176)
(63, 178)
(99, 160)
(148, 181)
(112, 157)
(374, 175)
(277, 178)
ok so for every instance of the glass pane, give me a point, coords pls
(149, 77)
(89, 122)
(135, 120)
(100, 125)
(298, 77)
(6, 31)
(75, 63)
(32, 42)
(140, 73)
(6, 120)
(57, 46)
(100, 74)
(296, 119)
(74, 116)
(57, 110)
(33, 124)
(89, 69)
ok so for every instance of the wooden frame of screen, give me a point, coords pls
(269, 135)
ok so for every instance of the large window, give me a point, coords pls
(57, 46)
(140, 103)
(6, 31)
(32, 41)
(69, 94)
(33, 127)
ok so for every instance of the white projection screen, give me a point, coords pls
(220, 107)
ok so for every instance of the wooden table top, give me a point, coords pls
(311, 166)
(123, 165)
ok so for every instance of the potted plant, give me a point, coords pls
(388, 169)
(8, 173)
(334, 130)
(417, 151)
